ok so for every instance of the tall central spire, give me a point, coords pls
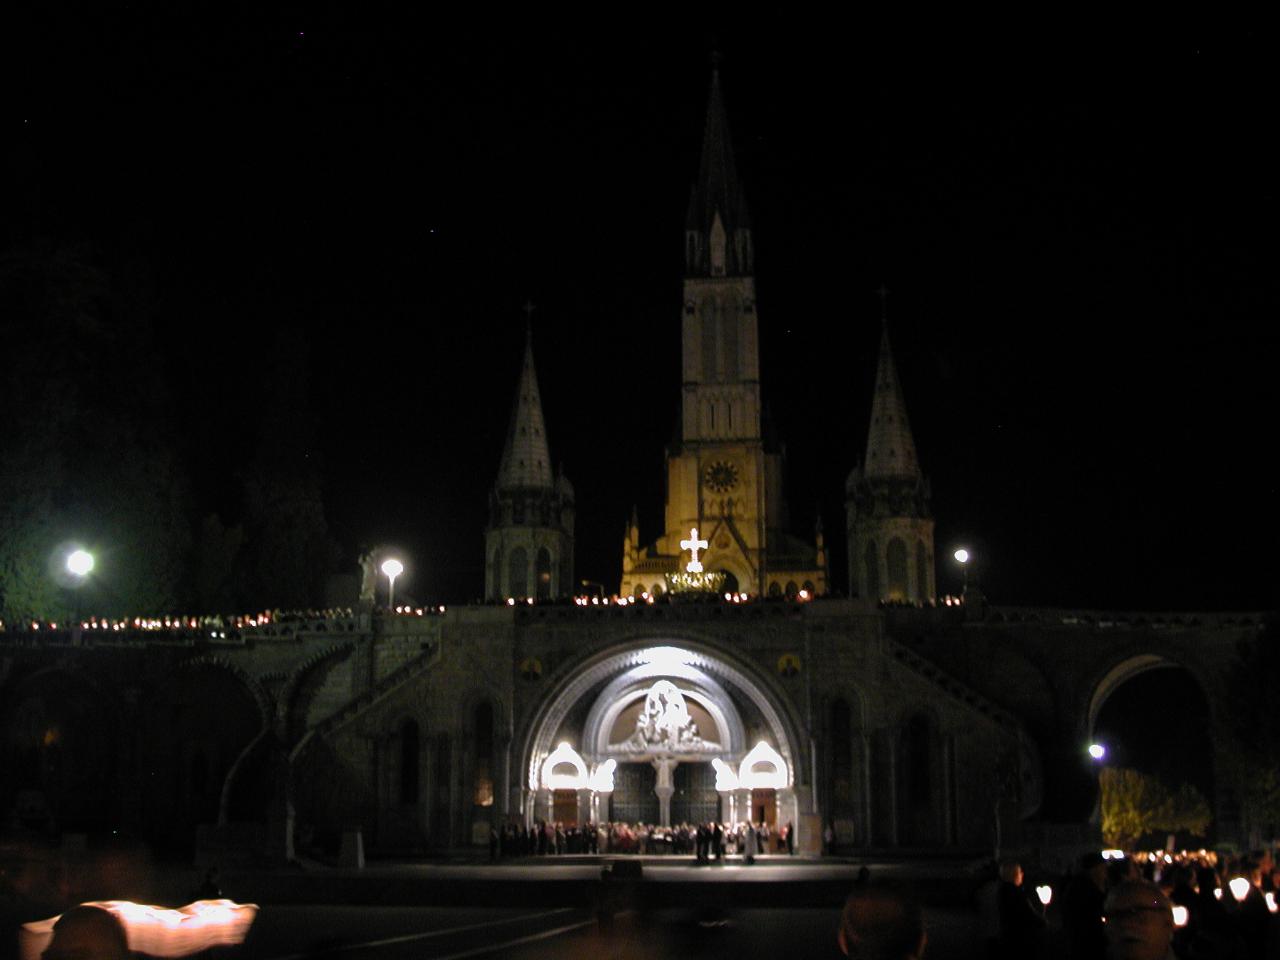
(717, 227)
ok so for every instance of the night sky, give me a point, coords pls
(1079, 243)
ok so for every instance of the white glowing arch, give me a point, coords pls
(564, 781)
(726, 779)
(778, 778)
(602, 779)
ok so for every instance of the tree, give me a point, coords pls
(1135, 804)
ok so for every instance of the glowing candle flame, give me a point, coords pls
(159, 931)
(1179, 916)
(1239, 888)
(1045, 893)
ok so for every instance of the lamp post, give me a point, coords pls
(392, 568)
(79, 564)
(962, 557)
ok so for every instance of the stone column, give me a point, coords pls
(584, 805)
(665, 788)
(742, 808)
(545, 805)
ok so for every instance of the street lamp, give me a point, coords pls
(1097, 751)
(79, 563)
(962, 557)
(392, 568)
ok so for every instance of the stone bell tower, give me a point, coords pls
(890, 525)
(529, 540)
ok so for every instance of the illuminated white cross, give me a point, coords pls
(693, 545)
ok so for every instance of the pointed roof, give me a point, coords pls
(717, 187)
(526, 458)
(891, 451)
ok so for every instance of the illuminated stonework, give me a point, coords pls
(664, 723)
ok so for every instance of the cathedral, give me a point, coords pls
(727, 679)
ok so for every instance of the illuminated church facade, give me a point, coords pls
(865, 707)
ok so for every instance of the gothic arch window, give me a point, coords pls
(775, 590)
(922, 574)
(483, 787)
(729, 340)
(656, 590)
(897, 563)
(543, 573)
(809, 588)
(792, 590)
(717, 247)
(710, 314)
(871, 563)
(409, 758)
(518, 579)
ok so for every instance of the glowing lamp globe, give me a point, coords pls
(392, 568)
(80, 563)
(961, 555)
(1097, 751)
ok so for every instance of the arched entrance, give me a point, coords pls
(663, 732)
(1152, 715)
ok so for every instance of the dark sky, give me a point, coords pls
(1080, 245)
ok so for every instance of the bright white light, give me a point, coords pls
(1097, 751)
(1271, 901)
(602, 779)
(80, 563)
(1112, 854)
(1239, 888)
(392, 568)
(1045, 893)
(693, 545)
(961, 555)
(1217, 893)
(1179, 916)
(763, 755)
(564, 754)
(726, 779)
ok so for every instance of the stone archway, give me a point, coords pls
(732, 701)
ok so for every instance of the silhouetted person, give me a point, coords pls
(877, 924)
(87, 933)
(1139, 922)
(1022, 923)
(1082, 909)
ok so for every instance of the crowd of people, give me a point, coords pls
(1191, 905)
(704, 841)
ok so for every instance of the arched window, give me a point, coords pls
(922, 574)
(717, 247)
(809, 588)
(657, 590)
(897, 564)
(544, 574)
(518, 578)
(729, 343)
(710, 315)
(775, 589)
(495, 575)
(872, 563)
(409, 750)
(792, 590)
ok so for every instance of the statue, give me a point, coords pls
(368, 576)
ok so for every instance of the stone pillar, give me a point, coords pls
(584, 805)
(545, 805)
(742, 809)
(665, 788)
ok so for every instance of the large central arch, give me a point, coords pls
(718, 679)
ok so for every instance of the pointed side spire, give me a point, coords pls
(891, 451)
(717, 225)
(526, 458)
